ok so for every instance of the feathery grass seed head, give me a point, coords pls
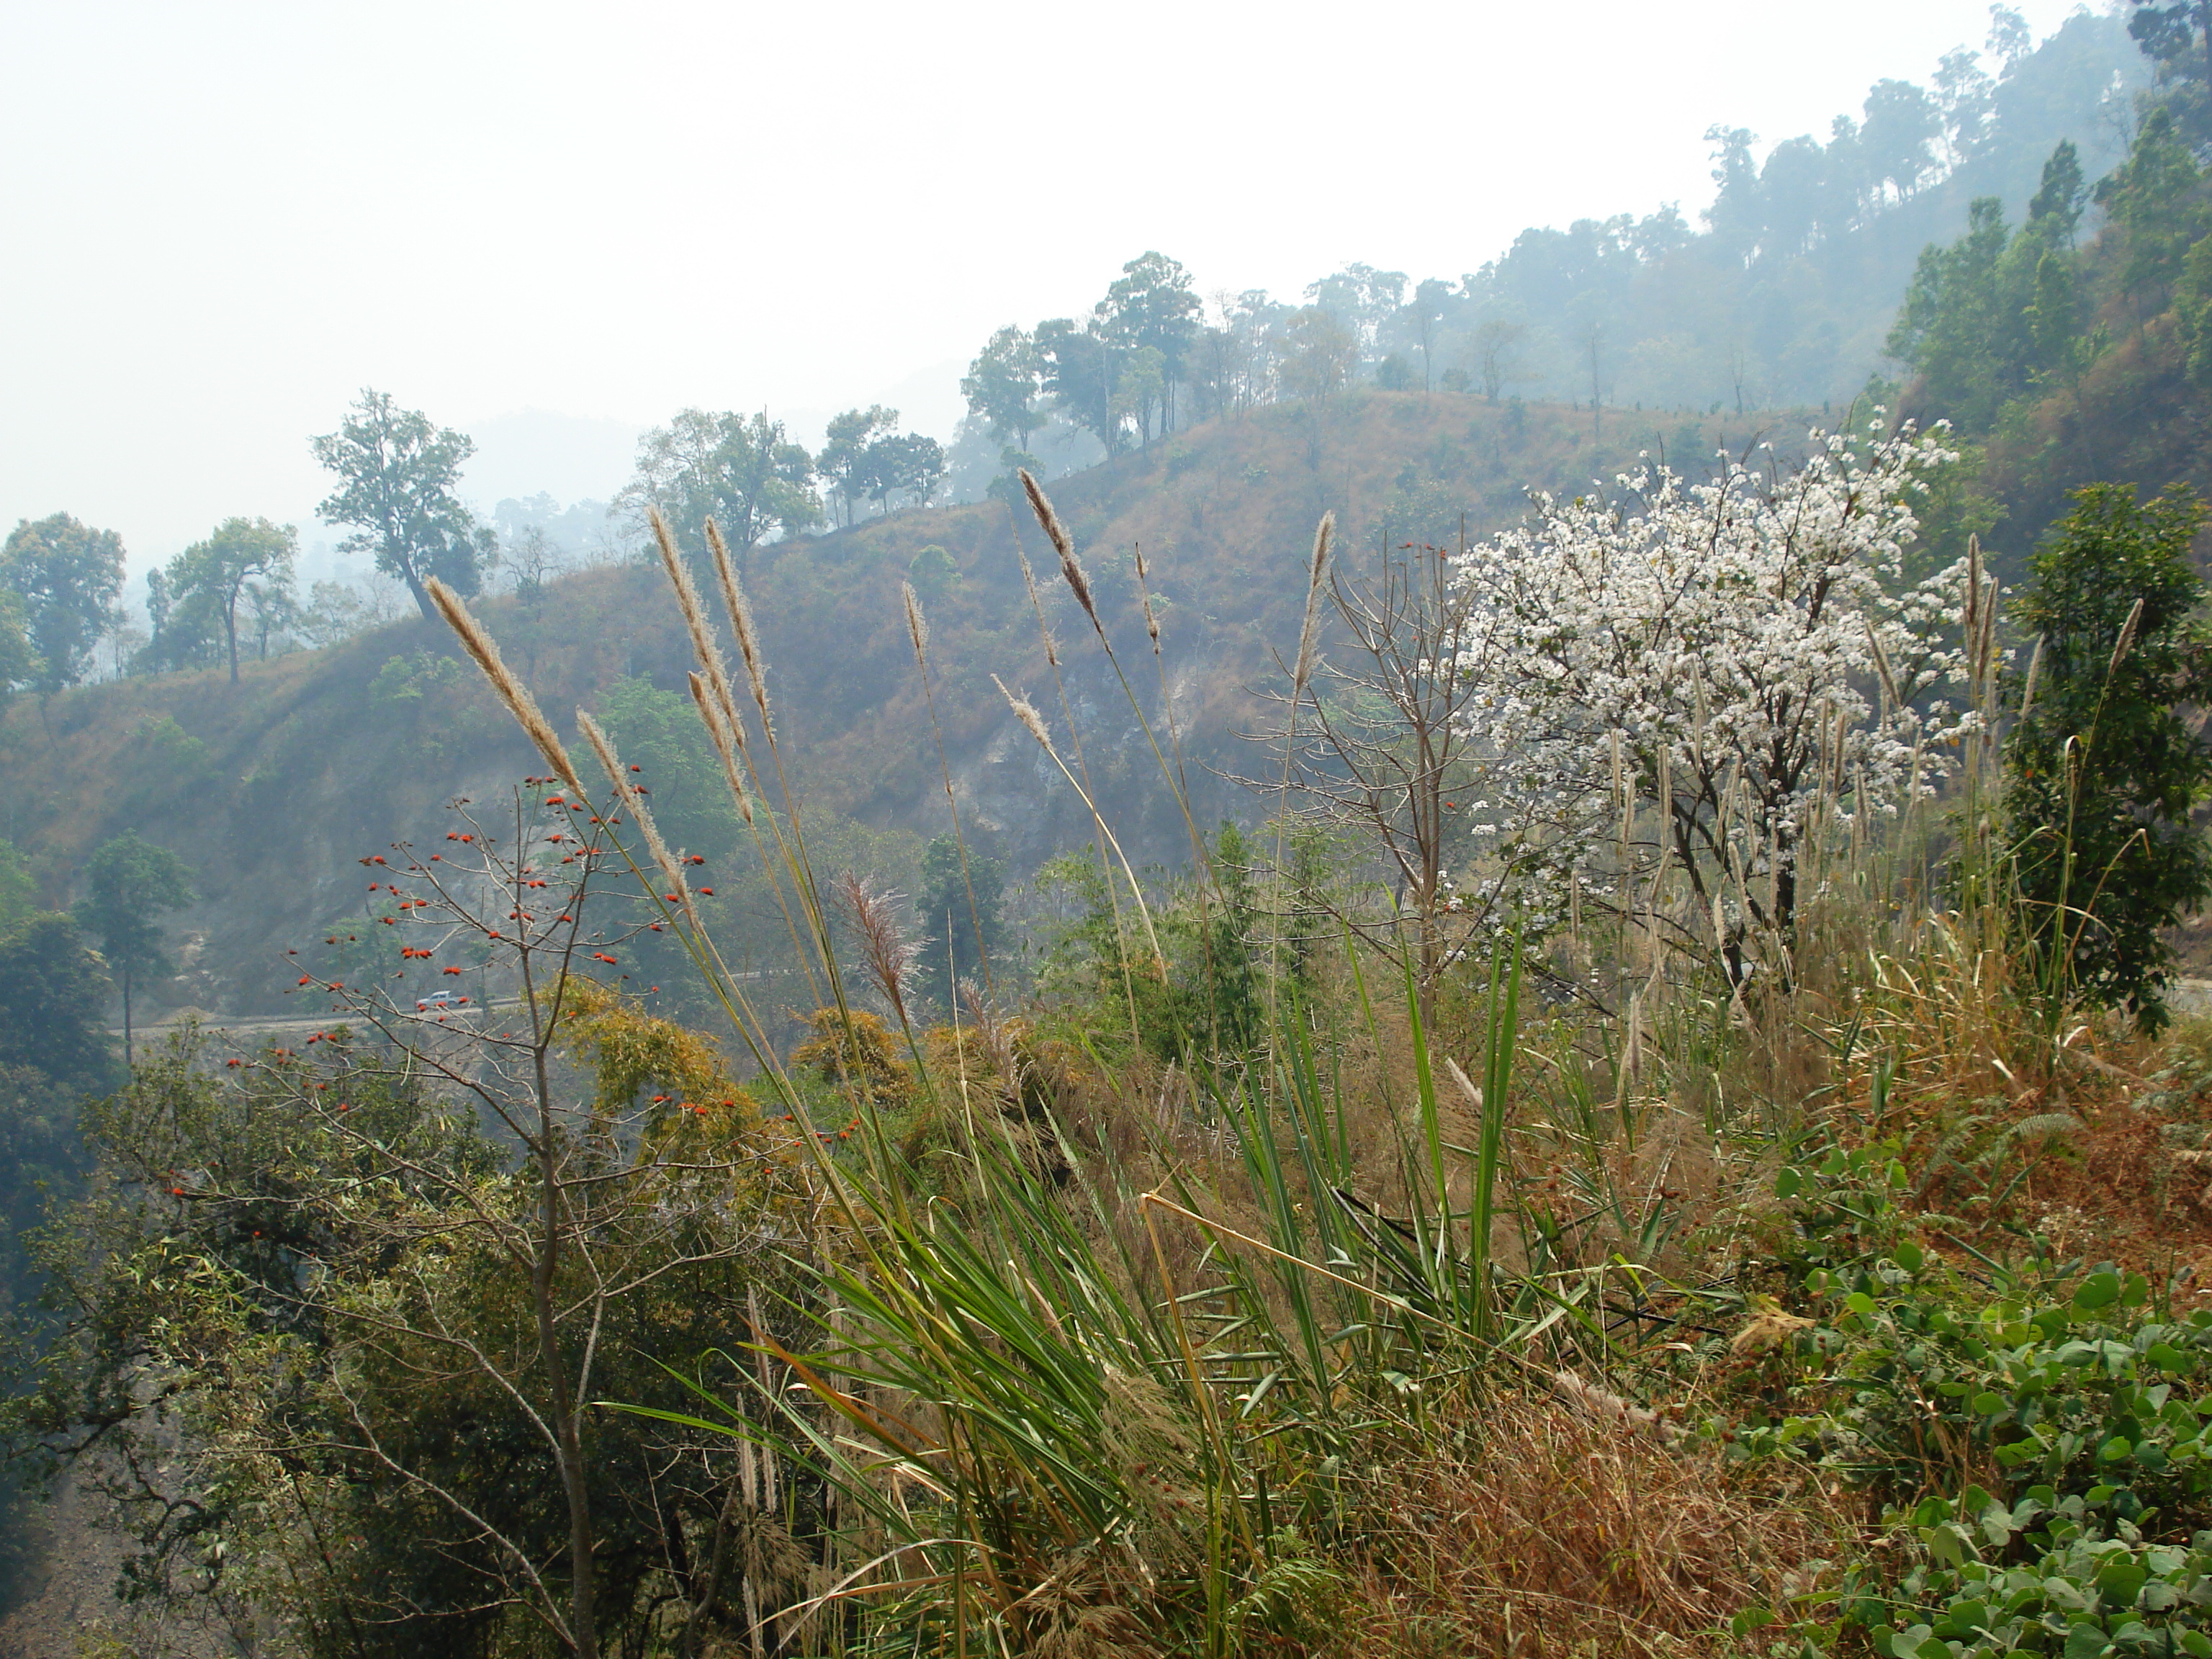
(719, 733)
(884, 945)
(480, 646)
(1881, 667)
(2127, 639)
(1036, 604)
(1316, 572)
(671, 871)
(703, 644)
(917, 625)
(741, 619)
(1063, 544)
(1025, 712)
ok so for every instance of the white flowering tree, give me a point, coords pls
(1703, 678)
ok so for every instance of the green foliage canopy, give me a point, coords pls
(868, 457)
(2101, 772)
(67, 575)
(1003, 384)
(738, 470)
(308, 1284)
(247, 560)
(130, 883)
(399, 478)
(959, 934)
(50, 991)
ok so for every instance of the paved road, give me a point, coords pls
(277, 1024)
(257, 1024)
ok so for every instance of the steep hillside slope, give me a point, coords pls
(273, 788)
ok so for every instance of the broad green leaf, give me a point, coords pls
(2099, 1290)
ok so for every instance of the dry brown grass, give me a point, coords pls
(1552, 1535)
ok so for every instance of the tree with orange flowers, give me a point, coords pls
(385, 1270)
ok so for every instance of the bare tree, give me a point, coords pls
(1739, 371)
(1373, 741)
(531, 562)
(1593, 357)
(1498, 356)
(1429, 297)
(473, 1206)
(611, 1195)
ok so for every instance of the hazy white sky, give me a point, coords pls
(226, 218)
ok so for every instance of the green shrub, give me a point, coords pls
(2079, 1583)
(405, 680)
(2101, 772)
(2046, 1435)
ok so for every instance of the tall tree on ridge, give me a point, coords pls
(244, 555)
(399, 478)
(1151, 304)
(1082, 368)
(740, 470)
(1002, 385)
(1430, 297)
(851, 459)
(2168, 36)
(68, 575)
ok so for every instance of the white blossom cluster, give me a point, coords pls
(1749, 645)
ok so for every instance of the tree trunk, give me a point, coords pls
(230, 628)
(422, 593)
(583, 1615)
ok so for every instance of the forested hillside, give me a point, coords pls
(1213, 439)
(2069, 343)
(1779, 293)
(273, 787)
